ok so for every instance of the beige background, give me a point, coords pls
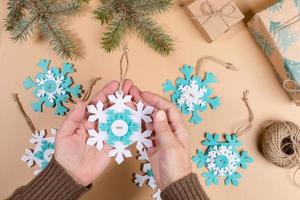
(148, 70)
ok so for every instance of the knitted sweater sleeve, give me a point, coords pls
(187, 188)
(52, 183)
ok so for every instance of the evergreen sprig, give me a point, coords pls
(121, 16)
(25, 16)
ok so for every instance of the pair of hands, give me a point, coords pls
(169, 158)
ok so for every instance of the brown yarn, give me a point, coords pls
(227, 65)
(123, 72)
(281, 145)
(90, 88)
(16, 98)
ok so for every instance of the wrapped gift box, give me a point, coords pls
(214, 17)
(277, 32)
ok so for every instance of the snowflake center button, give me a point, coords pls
(50, 86)
(221, 161)
(119, 128)
(48, 154)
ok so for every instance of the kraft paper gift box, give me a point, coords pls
(214, 17)
(277, 31)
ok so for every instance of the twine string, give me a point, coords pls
(207, 9)
(30, 124)
(227, 65)
(124, 67)
(287, 84)
(92, 83)
(281, 145)
(246, 127)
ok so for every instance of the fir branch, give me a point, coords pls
(151, 7)
(24, 28)
(154, 35)
(113, 37)
(16, 13)
(104, 14)
(47, 15)
(134, 15)
(61, 43)
(67, 9)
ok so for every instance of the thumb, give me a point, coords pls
(164, 135)
(73, 120)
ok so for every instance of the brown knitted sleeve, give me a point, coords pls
(187, 188)
(52, 183)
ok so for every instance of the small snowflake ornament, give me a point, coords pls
(120, 126)
(52, 87)
(191, 94)
(147, 177)
(222, 159)
(43, 151)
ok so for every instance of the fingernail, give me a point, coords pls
(161, 115)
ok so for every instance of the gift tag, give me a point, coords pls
(53, 87)
(120, 126)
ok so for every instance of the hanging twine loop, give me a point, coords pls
(201, 61)
(246, 127)
(281, 145)
(88, 92)
(124, 66)
(30, 124)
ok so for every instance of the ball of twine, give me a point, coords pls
(281, 144)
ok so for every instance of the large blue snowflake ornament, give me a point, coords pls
(43, 151)
(52, 87)
(222, 159)
(191, 94)
(120, 126)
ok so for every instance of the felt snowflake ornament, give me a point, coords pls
(43, 151)
(147, 177)
(191, 94)
(222, 159)
(53, 87)
(120, 126)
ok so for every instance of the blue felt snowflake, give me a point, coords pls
(52, 87)
(115, 119)
(222, 159)
(283, 36)
(191, 94)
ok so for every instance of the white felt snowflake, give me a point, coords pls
(147, 176)
(191, 95)
(43, 151)
(120, 126)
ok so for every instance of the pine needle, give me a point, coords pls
(121, 16)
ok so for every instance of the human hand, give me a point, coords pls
(170, 156)
(83, 162)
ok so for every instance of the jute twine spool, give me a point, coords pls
(281, 145)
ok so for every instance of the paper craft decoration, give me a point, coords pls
(42, 152)
(120, 126)
(52, 87)
(214, 17)
(147, 177)
(222, 159)
(191, 94)
(277, 32)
